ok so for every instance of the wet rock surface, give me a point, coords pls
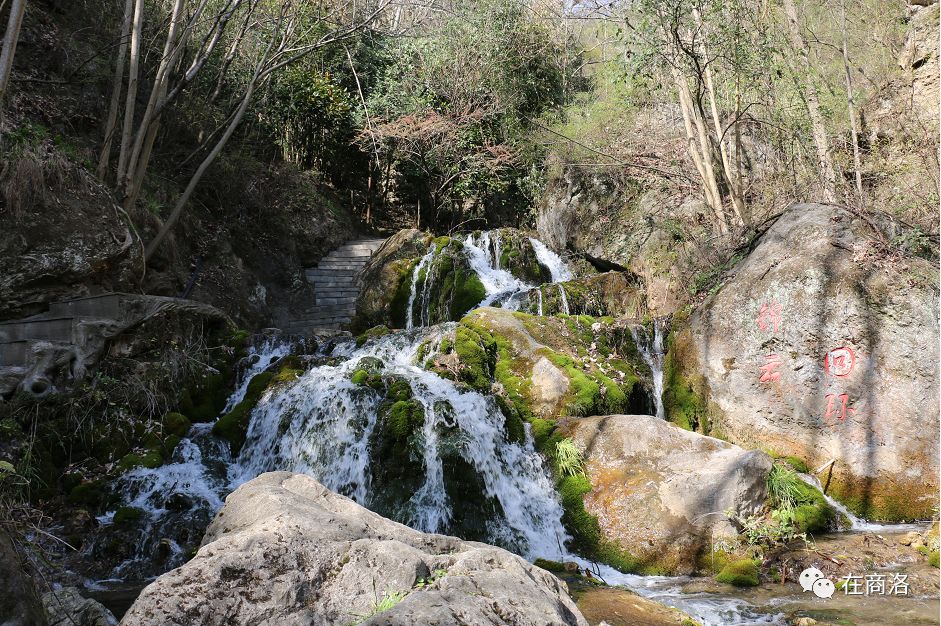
(285, 550)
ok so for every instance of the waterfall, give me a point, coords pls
(553, 262)
(501, 286)
(409, 310)
(539, 300)
(497, 250)
(564, 299)
(652, 353)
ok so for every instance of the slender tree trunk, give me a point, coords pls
(818, 129)
(10, 39)
(144, 139)
(851, 110)
(197, 176)
(131, 101)
(111, 123)
(699, 151)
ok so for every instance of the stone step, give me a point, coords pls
(328, 309)
(348, 256)
(340, 300)
(342, 282)
(329, 273)
(337, 292)
(340, 265)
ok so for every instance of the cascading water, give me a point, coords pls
(564, 300)
(501, 286)
(323, 425)
(652, 353)
(557, 268)
(858, 524)
(423, 265)
(539, 301)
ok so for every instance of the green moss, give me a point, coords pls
(477, 352)
(933, 558)
(290, 369)
(403, 290)
(359, 377)
(798, 464)
(813, 513)
(206, 399)
(556, 567)
(741, 573)
(176, 424)
(127, 515)
(405, 417)
(233, 426)
(441, 243)
(541, 430)
(683, 400)
(398, 389)
(468, 293)
(89, 493)
(149, 459)
(373, 333)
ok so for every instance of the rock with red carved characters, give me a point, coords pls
(824, 348)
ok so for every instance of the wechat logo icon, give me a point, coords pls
(812, 579)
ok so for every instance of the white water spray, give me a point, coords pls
(553, 262)
(501, 286)
(857, 524)
(652, 353)
(423, 264)
(564, 300)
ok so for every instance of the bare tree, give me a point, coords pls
(10, 39)
(118, 82)
(812, 101)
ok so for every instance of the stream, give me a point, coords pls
(324, 425)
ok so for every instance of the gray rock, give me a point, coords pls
(661, 492)
(67, 607)
(285, 550)
(822, 347)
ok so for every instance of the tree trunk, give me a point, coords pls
(10, 39)
(699, 151)
(851, 110)
(818, 129)
(131, 101)
(116, 91)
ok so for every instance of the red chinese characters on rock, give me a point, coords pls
(769, 316)
(844, 406)
(768, 373)
(838, 363)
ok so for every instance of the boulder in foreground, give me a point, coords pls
(286, 550)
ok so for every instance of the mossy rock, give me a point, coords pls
(373, 333)
(933, 558)
(127, 515)
(798, 464)
(176, 424)
(556, 567)
(233, 426)
(290, 368)
(150, 459)
(88, 493)
(206, 399)
(404, 418)
(359, 377)
(477, 351)
(740, 572)
(813, 513)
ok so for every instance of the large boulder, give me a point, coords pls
(285, 550)
(822, 347)
(386, 280)
(660, 492)
(616, 294)
(548, 367)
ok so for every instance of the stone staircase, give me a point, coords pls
(336, 287)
